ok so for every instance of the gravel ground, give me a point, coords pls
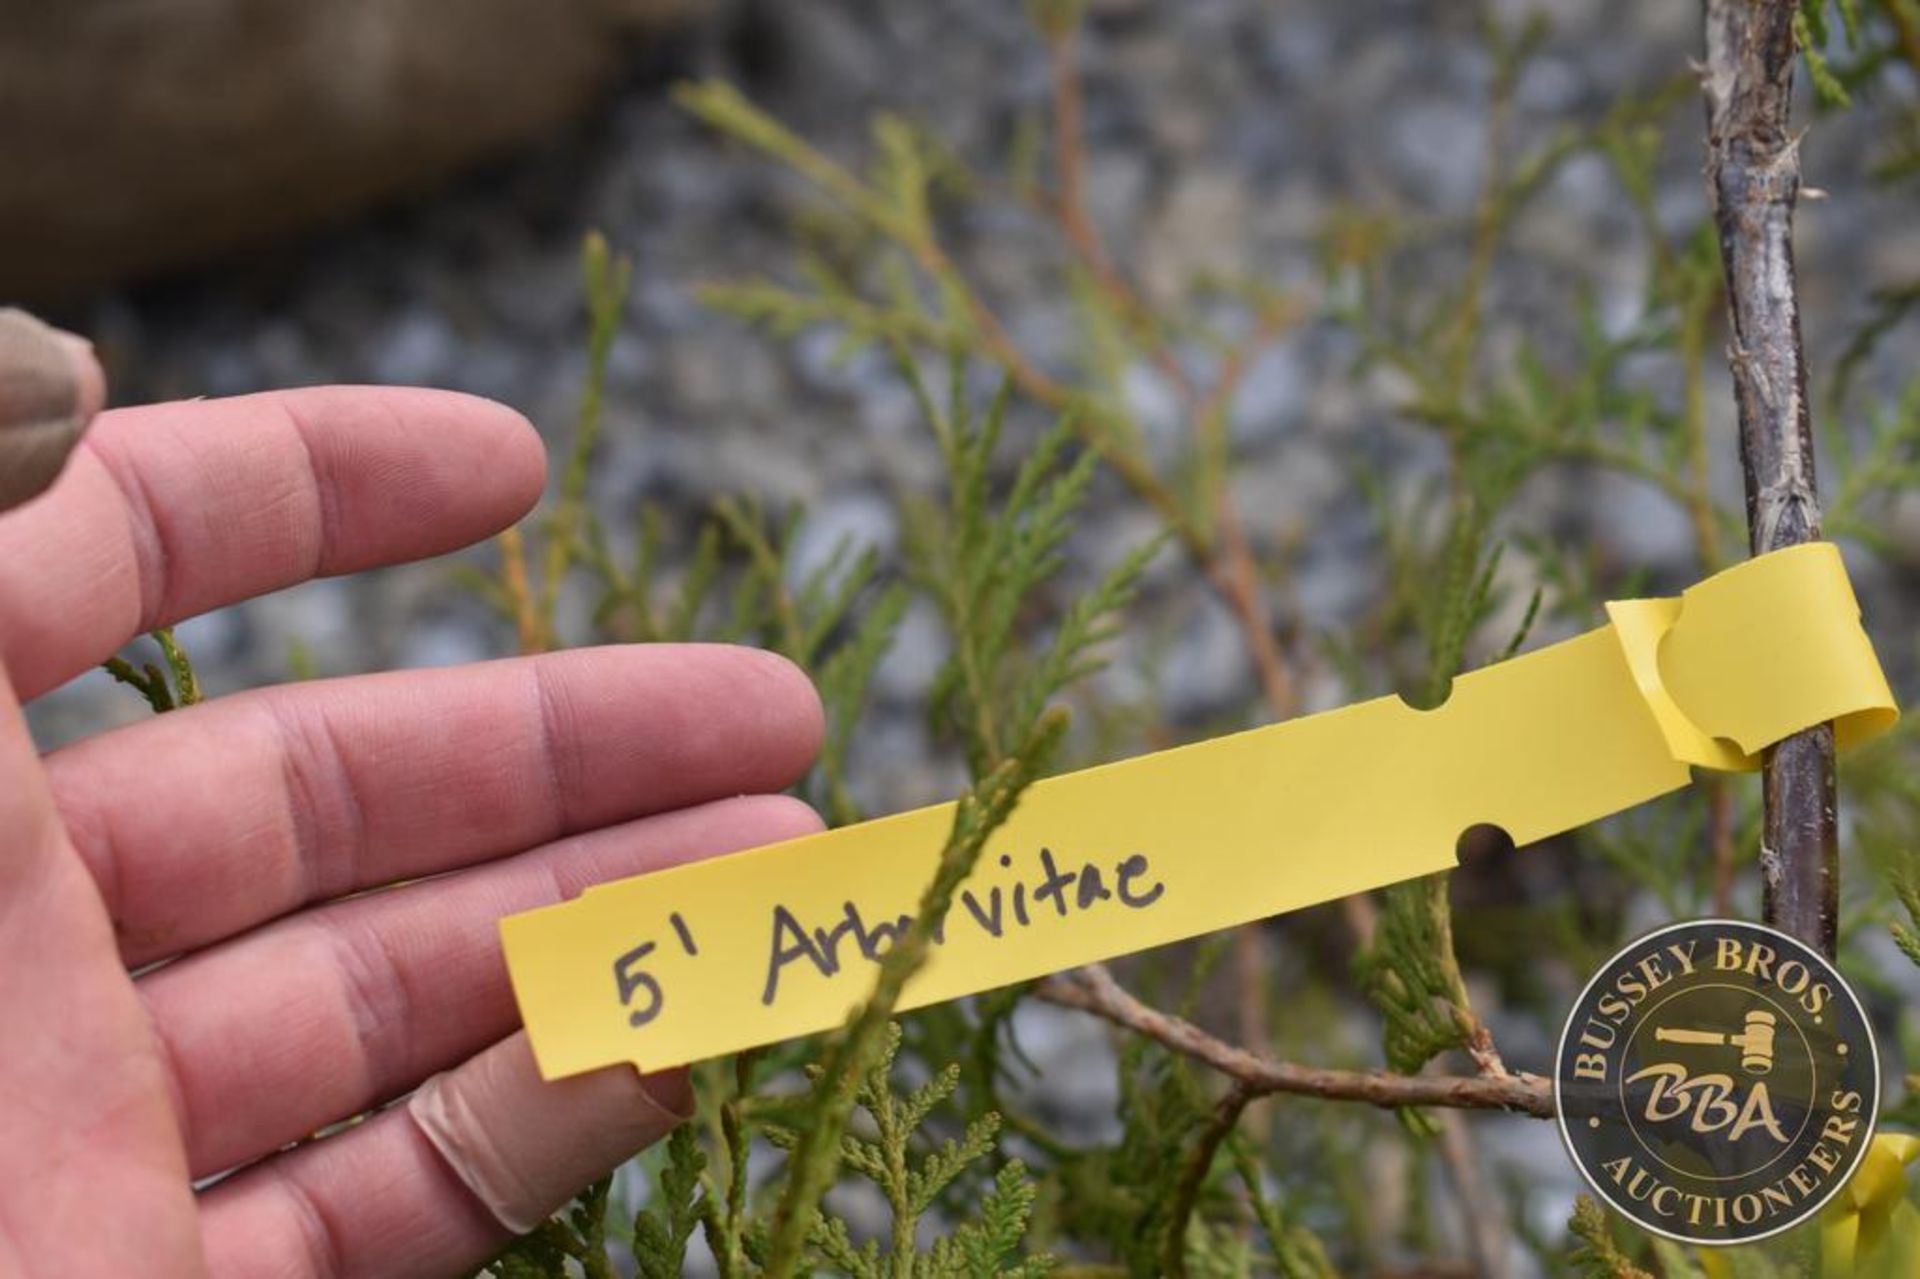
(1221, 136)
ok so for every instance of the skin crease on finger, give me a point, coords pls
(294, 1026)
(397, 776)
(561, 1136)
(172, 510)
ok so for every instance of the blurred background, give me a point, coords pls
(231, 195)
(234, 195)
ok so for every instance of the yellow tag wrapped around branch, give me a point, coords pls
(689, 963)
(1871, 1222)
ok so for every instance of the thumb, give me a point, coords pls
(50, 388)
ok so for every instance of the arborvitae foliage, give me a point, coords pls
(814, 1159)
(663, 1229)
(1908, 889)
(1189, 1182)
(1594, 1253)
(982, 554)
(982, 566)
(989, 1243)
(151, 682)
(1193, 1173)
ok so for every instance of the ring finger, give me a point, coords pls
(335, 1010)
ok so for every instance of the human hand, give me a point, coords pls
(235, 840)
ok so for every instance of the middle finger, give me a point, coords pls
(207, 821)
(321, 1016)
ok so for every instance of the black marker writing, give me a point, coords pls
(1066, 891)
(1054, 884)
(822, 949)
(1131, 869)
(686, 938)
(1092, 888)
(990, 923)
(784, 953)
(631, 983)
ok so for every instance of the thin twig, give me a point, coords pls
(1077, 226)
(186, 684)
(1906, 31)
(1193, 1174)
(1491, 210)
(1753, 170)
(1227, 556)
(1486, 1234)
(1094, 990)
(1240, 578)
(1229, 560)
(1704, 515)
(513, 579)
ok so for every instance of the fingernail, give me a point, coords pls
(87, 373)
(50, 388)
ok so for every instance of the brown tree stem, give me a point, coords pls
(1226, 555)
(1753, 171)
(1193, 1175)
(1076, 222)
(1483, 1216)
(1094, 990)
(1906, 31)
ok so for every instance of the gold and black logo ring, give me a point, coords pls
(1717, 1081)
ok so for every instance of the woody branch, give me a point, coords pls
(1093, 989)
(1753, 170)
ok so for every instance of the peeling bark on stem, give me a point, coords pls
(1753, 172)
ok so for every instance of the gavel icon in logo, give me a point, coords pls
(1755, 1042)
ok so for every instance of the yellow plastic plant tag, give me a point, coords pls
(711, 958)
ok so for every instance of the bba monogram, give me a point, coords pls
(1717, 1082)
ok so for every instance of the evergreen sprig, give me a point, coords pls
(1595, 1254)
(816, 1156)
(1180, 1183)
(662, 1230)
(152, 682)
(1906, 886)
(987, 1244)
(1296, 1252)
(983, 565)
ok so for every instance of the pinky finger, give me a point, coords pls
(437, 1186)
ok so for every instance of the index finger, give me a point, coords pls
(172, 510)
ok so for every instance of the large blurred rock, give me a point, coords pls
(138, 135)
